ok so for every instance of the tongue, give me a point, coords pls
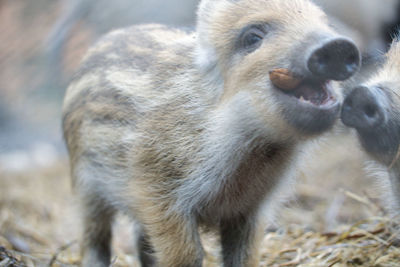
(316, 94)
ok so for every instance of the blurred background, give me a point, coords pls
(42, 42)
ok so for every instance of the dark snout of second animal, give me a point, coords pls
(361, 109)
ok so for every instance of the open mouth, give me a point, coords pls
(313, 93)
(308, 104)
(317, 93)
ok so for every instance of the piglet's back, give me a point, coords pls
(126, 75)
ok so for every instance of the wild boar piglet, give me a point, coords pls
(373, 109)
(183, 130)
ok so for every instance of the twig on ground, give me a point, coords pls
(59, 251)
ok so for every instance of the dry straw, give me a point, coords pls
(34, 229)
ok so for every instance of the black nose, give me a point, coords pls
(361, 109)
(337, 59)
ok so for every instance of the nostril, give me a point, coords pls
(351, 60)
(324, 59)
(370, 111)
(349, 103)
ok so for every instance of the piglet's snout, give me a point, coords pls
(336, 59)
(361, 109)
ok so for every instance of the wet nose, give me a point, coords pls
(336, 59)
(361, 109)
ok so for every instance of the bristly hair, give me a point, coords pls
(396, 34)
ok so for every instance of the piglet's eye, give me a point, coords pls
(252, 37)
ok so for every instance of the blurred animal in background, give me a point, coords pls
(373, 109)
(183, 130)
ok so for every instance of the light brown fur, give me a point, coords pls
(180, 130)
